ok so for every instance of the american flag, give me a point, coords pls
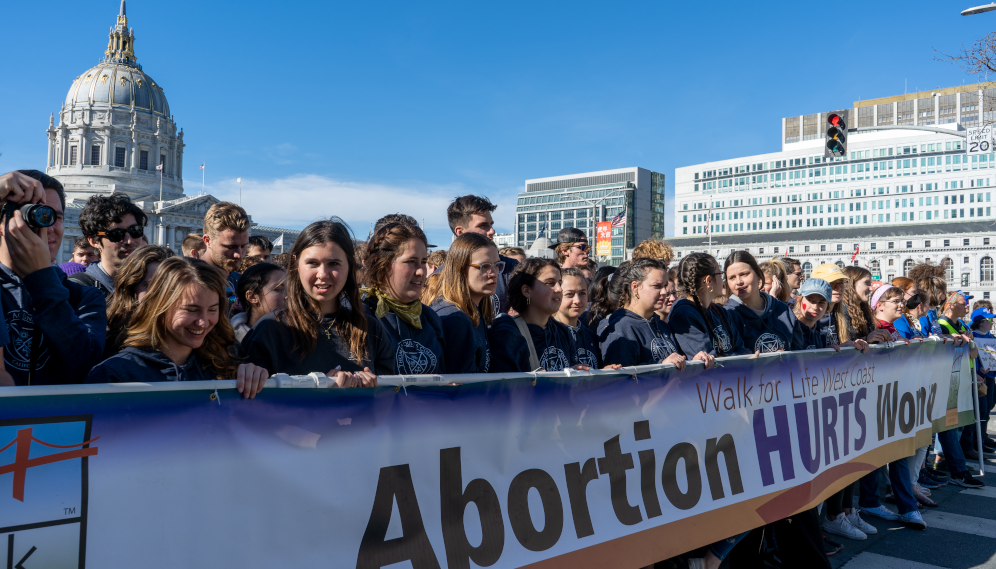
(619, 219)
(202, 165)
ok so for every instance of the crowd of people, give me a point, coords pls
(126, 311)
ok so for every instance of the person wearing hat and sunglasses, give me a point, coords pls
(572, 248)
(115, 227)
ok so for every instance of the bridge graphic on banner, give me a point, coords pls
(43, 490)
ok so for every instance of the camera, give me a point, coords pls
(36, 215)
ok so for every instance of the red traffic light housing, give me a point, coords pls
(836, 135)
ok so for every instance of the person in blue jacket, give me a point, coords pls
(765, 323)
(464, 304)
(981, 327)
(634, 334)
(180, 333)
(396, 272)
(532, 340)
(584, 346)
(915, 306)
(698, 324)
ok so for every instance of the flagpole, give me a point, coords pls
(281, 242)
(240, 190)
(202, 178)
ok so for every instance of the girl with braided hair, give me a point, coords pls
(633, 334)
(698, 324)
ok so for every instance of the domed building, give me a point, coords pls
(115, 134)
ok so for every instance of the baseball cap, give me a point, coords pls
(982, 313)
(569, 235)
(816, 286)
(828, 272)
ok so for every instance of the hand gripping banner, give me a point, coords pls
(608, 469)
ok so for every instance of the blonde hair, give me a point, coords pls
(225, 215)
(654, 249)
(454, 277)
(170, 283)
(775, 270)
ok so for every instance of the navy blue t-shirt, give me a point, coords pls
(419, 352)
(770, 331)
(510, 353)
(695, 335)
(628, 339)
(465, 349)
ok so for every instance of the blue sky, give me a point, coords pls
(359, 109)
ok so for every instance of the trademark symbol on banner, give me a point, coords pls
(43, 490)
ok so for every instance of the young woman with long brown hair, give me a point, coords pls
(468, 279)
(130, 285)
(180, 332)
(765, 323)
(323, 328)
(396, 271)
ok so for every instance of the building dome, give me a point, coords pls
(112, 84)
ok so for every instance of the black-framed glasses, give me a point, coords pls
(117, 234)
(488, 267)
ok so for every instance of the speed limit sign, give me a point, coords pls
(980, 140)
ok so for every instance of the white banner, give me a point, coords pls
(599, 470)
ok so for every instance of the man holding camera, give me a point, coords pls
(115, 227)
(57, 327)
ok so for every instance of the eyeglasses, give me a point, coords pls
(489, 267)
(116, 235)
(582, 246)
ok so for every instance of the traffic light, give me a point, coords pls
(836, 134)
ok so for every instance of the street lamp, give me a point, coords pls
(979, 9)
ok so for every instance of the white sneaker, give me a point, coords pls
(856, 521)
(843, 528)
(880, 511)
(913, 520)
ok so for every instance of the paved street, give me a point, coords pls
(961, 534)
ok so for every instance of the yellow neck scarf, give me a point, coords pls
(410, 313)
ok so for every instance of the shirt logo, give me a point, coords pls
(661, 348)
(586, 358)
(496, 304)
(21, 328)
(554, 359)
(412, 358)
(830, 335)
(768, 342)
(724, 339)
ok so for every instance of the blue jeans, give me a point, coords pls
(723, 548)
(902, 487)
(951, 447)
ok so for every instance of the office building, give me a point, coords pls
(906, 191)
(582, 200)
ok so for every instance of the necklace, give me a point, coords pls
(328, 330)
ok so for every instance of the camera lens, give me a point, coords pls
(38, 215)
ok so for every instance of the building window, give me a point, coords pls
(791, 249)
(948, 265)
(806, 249)
(873, 246)
(807, 269)
(162, 162)
(907, 265)
(840, 264)
(965, 277)
(143, 160)
(760, 251)
(986, 273)
(119, 157)
(947, 242)
(892, 244)
(926, 244)
(840, 247)
(72, 155)
(985, 240)
(95, 155)
(776, 250)
(823, 248)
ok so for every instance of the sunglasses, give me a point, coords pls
(582, 246)
(489, 267)
(116, 235)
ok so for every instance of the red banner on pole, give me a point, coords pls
(603, 239)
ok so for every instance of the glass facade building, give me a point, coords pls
(581, 200)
